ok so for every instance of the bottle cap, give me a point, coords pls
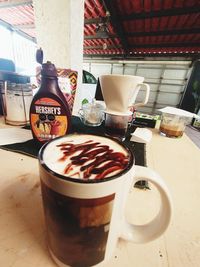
(39, 55)
(49, 69)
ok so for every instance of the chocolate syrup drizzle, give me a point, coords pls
(94, 158)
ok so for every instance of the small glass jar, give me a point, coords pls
(18, 99)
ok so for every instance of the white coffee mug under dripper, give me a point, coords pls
(120, 92)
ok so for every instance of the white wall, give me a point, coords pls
(59, 31)
(18, 49)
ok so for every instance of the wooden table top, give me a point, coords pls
(22, 230)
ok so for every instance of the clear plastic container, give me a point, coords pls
(173, 125)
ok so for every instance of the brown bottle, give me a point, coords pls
(50, 115)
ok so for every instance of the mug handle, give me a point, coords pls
(80, 112)
(157, 226)
(147, 92)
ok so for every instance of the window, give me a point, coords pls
(18, 49)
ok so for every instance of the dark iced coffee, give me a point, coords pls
(116, 125)
(77, 228)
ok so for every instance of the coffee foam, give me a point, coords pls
(53, 153)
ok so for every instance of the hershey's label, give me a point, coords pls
(47, 110)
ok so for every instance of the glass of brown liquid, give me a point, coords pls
(173, 125)
(117, 125)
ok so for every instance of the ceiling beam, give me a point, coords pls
(100, 47)
(116, 23)
(161, 45)
(151, 14)
(93, 21)
(161, 13)
(153, 56)
(152, 33)
(92, 37)
(14, 3)
(164, 32)
(14, 29)
(156, 45)
(25, 26)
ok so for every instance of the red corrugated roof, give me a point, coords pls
(149, 27)
(20, 15)
(134, 27)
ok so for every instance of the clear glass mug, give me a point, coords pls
(85, 216)
(92, 114)
(117, 125)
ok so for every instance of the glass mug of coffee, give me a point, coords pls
(85, 180)
(117, 125)
(92, 114)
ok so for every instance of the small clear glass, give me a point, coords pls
(173, 125)
(92, 114)
(18, 100)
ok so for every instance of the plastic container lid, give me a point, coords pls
(179, 112)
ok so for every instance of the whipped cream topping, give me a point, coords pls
(84, 156)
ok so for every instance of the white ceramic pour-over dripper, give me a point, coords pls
(120, 91)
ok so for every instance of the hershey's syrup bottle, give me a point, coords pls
(50, 115)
